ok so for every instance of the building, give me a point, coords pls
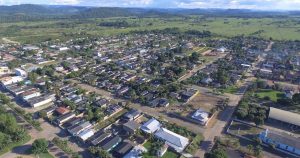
(49, 110)
(4, 69)
(284, 116)
(136, 152)
(151, 126)
(189, 94)
(110, 143)
(20, 72)
(98, 138)
(40, 100)
(62, 110)
(131, 127)
(30, 94)
(64, 118)
(10, 80)
(86, 134)
(175, 141)
(122, 149)
(200, 116)
(78, 128)
(281, 141)
(132, 115)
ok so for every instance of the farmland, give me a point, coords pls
(276, 28)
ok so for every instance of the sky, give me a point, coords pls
(225, 4)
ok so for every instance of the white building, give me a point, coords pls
(86, 134)
(151, 126)
(20, 72)
(10, 80)
(201, 116)
(63, 48)
(174, 140)
(136, 152)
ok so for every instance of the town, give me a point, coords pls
(150, 94)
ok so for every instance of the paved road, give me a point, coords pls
(156, 112)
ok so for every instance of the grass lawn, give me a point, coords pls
(147, 145)
(170, 154)
(245, 130)
(272, 94)
(231, 90)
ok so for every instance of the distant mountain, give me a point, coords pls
(30, 12)
(30, 9)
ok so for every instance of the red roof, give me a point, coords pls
(62, 110)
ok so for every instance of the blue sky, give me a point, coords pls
(234, 4)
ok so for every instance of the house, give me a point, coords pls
(72, 122)
(98, 138)
(136, 152)
(110, 143)
(284, 116)
(122, 149)
(162, 150)
(151, 126)
(102, 103)
(132, 115)
(163, 102)
(131, 127)
(20, 72)
(49, 110)
(40, 100)
(76, 129)
(86, 134)
(200, 116)
(189, 94)
(64, 118)
(62, 110)
(4, 69)
(10, 80)
(30, 94)
(175, 141)
(281, 141)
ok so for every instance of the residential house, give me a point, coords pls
(98, 138)
(86, 134)
(132, 115)
(136, 152)
(175, 141)
(151, 126)
(76, 129)
(122, 149)
(110, 143)
(201, 116)
(64, 118)
(131, 127)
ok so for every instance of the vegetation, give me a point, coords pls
(98, 152)
(194, 144)
(269, 94)
(39, 146)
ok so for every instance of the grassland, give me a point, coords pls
(277, 28)
(271, 94)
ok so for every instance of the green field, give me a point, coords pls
(277, 28)
(272, 94)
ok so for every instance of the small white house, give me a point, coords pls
(201, 116)
(20, 72)
(86, 134)
(151, 126)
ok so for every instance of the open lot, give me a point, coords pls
(277, 28)
(204, 101)
(270, 94)
(244, 130)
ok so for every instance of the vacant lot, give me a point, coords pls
(204, 101)
(269, 94)
(244, 130)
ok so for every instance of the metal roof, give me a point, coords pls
(284, 116)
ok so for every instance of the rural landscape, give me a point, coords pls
(79, 81)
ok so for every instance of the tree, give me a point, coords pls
(296, 98)
(258, 150)
(218, 153)
(32, 77)
(39, 146)
(250, 148)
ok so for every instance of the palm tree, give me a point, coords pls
(250, 148)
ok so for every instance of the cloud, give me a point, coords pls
(67, 2)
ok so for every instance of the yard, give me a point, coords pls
(269, 94)
(204, 101)
(244, 130)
